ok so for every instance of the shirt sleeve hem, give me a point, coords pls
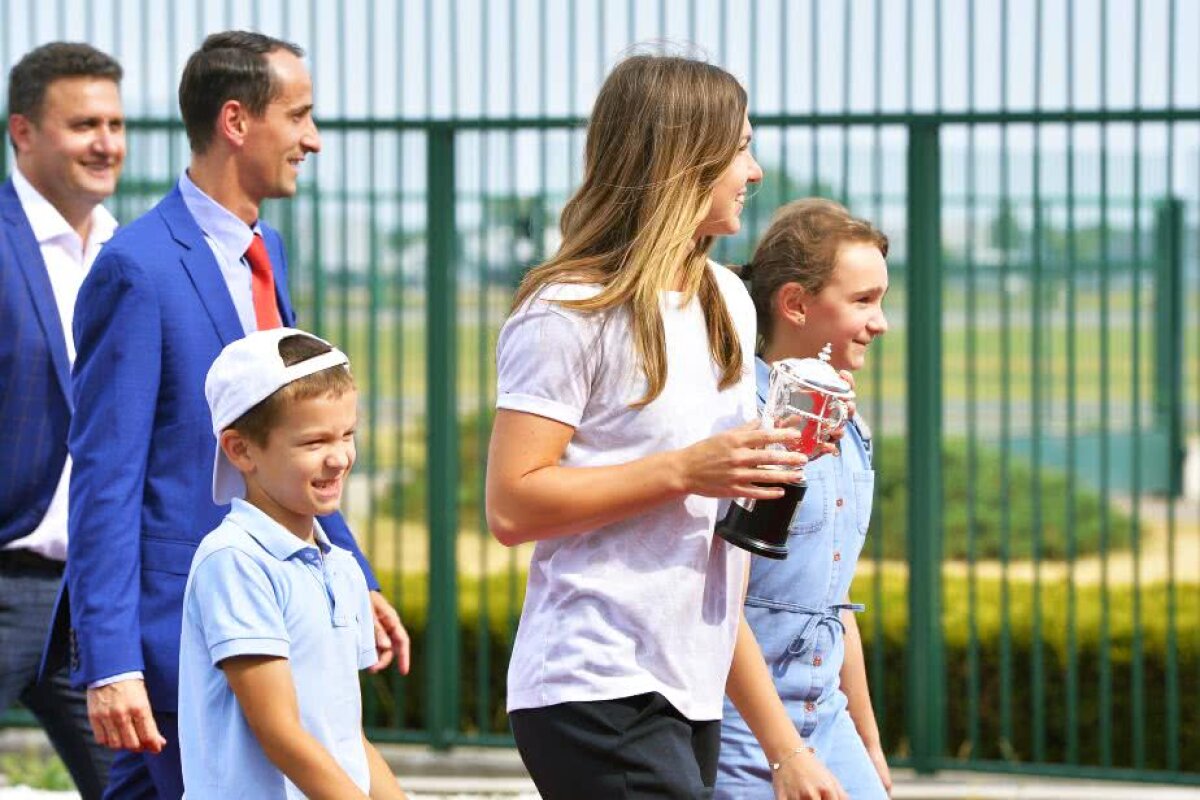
(248, 647)
(542, 407)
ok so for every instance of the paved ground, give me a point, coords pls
(947, 787)
(469, 773)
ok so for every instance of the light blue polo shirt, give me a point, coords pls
(256, 589)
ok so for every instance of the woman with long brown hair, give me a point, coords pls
(625, 411)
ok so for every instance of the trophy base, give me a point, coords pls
(762, 530)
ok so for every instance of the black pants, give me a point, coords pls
(28, 590)
(633, 747)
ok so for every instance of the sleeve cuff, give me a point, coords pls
(551, 409)
(367, 658)
(124, 676)
(248, 647)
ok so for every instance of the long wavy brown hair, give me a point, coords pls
(662, 132)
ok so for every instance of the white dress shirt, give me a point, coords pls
(68, 259)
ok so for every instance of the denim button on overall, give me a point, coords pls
(795, 608)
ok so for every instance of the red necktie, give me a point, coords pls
(262, 285)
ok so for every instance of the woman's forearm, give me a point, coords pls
(531, 496)
(556, 501)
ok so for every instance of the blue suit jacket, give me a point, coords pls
(35, 377)
(152, 315)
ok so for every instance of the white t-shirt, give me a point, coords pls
(650, 603)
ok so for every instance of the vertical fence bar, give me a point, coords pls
(375, 309)
(345, 138)
(844, 182)
(781, 186)
(925, 684)
(1105, 700)
(881, 453)
(1072, 699)
(1137, 678)
(442, 438)
(814, 49)
(1175, 426)
(318, 269)
(483, 417)
(1036, 394)
(1169, 359)
(403, 363)
(514, 584)
(1007, 215)
(971, 344)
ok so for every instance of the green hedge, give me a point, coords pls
(1003, 500)
(399, 704)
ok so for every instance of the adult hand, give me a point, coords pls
(879, 761)
(121, 717)
(803, 777)
(730, 463)
(830, 445)
(851, 405)
(391, 639)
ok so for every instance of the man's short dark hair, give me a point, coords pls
(231, 65)
(33, 74)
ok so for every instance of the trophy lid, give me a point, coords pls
(817, 373)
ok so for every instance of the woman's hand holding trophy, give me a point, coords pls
(806, 394)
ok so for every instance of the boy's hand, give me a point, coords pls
(121, 717)
(391, 639)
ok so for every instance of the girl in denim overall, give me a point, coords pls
(818, 276)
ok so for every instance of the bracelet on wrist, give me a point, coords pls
(775, 765)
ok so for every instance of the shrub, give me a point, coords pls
(980, 659)
(998, 506)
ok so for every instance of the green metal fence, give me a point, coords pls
(1033, 594)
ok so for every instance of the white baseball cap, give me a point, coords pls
(245, 373)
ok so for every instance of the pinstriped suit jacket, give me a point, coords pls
(35, 393)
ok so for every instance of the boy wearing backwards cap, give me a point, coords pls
(276, 620)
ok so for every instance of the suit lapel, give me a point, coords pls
(33, 268)
(202, 267)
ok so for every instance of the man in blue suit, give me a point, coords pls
(196, 272)
(68, 133)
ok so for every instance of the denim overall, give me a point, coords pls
(794, 607)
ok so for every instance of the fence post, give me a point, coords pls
(441, 414)
(924, 317)
(1168, 335)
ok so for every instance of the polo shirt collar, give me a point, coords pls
(219, 223)
(273, 537)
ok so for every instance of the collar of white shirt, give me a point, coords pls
(48, 224)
